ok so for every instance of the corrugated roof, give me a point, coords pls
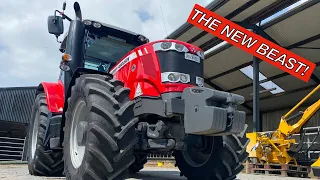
(16, 103)
(297, 29)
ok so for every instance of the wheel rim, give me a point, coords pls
(34, 137)
(78, 125)
(198, 156)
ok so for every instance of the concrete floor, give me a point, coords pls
(20, 172)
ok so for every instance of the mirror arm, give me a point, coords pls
(62, 14)
(66, 17)
(57, 37)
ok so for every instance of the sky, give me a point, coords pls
(30, 55)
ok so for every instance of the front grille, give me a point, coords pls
(172, 61)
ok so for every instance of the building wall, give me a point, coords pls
(270, 121)
(249, 122)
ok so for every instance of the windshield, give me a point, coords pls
(102, 53)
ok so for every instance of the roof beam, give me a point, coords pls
(17, 88)
(270, 10)
(290, 13)
(315, 78)
(255, 18)
(303, 42)
(257, 30)
(284, 93)
(229, 16)
(213, 85)
(230, 70)
(262, 81)
(272, 78)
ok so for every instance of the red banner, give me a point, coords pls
(251, 43)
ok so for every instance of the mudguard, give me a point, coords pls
(54, 95)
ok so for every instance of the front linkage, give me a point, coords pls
(199, 111)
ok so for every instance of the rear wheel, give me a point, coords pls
(99, 133)
(41, 162)
(220, 158)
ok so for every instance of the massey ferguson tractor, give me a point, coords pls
(120, 97)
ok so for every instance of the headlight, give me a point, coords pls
(97, 25)
(199, 81)
(86, 22)
(64, 66)
(179, 47)
(166, 45)
(143, 39)
(183, 78)
(175, 77)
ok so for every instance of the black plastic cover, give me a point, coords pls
(173, 61)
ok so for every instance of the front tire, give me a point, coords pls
(222, 162)
(40, 161)
(99, 133)
(141, 160)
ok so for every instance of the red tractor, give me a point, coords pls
(120, 97)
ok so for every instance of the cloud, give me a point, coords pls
(144, 15)
(29, 54)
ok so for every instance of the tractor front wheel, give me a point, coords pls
(41, 161)
(218, 158)
(138, 164)
(99, 133)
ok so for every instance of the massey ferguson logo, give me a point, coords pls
(193, 50)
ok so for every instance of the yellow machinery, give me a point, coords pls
(316, 168)
(273, 147)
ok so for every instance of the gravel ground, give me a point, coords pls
(20, 172)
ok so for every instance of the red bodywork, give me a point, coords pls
(141, 68)
(147, 71)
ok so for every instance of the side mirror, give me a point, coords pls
(55, 25)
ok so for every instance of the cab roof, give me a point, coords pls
(108, 29)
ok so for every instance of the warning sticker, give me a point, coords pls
(251, 43)
(138, 91)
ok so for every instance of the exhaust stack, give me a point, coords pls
(77, 10)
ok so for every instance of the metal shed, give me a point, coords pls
(16, 103)
(292, 24)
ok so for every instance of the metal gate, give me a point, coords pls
(11, 149)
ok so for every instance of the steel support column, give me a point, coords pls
(256, 116)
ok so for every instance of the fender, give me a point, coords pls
(54, 95)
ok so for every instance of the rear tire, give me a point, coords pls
(225, 161)
(99, 133)
(40, 161)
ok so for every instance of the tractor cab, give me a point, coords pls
(90, 45)
(105, 45)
